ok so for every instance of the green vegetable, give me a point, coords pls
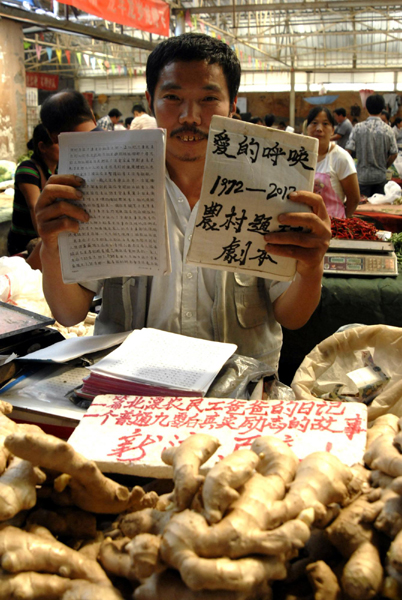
(7, 170)
(396, 239)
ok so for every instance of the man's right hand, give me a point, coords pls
(56, 210)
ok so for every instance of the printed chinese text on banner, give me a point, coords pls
(43, 81)
(146, 15)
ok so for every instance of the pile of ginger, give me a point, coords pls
(259, 525)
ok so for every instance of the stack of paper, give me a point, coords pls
(124, 194)
(152, 362)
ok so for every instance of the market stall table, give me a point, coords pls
(383, 216)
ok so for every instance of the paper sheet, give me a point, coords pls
(124, 194)
(75, 347)
(169, 359)
(249, 172)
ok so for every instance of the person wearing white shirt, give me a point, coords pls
(141, 119)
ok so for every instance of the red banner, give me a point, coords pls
(146, 15)
(42, 81)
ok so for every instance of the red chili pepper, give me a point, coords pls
(352, 229)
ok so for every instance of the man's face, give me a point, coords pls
(114, 120)
(338, 118)
(186, 97)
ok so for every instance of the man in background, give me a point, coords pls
(374, 145)
(343, 129)
(110, 120)
(141, 119)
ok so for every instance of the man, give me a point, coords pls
(110, 120)
(343, 129)
(141, 119)
(190, 78)
(374, 145)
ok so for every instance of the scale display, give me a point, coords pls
(343, 263)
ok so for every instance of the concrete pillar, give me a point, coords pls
(13, 118)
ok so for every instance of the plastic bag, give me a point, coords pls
(240, 374)
(325, 368)
(392, 191)
(22, 286)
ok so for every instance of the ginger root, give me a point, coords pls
(88, 488)
(18, 487)
(23, 551)
(186, 460)
(324, 581)
(222, 481)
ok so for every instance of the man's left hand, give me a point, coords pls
(307, 247)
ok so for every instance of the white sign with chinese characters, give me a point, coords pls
(126, 434)
(249, 173)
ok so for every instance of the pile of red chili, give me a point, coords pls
(352, 229)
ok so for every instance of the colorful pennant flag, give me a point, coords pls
(38, 49)
(58, 54)
(49, 52)
(68, 55)
(79, 57)
(86, 58)
(93, 62)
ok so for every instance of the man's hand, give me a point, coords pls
(307, 247)
(55, 210)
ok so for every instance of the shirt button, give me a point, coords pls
(180, 200)
(190, 236)
(189, 275)
(189, 314)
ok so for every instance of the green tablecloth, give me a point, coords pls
(344, 300)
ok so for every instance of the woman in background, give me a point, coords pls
(397, 129)
(335, 178)
(30, 178)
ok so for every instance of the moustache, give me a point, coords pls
(189, 130)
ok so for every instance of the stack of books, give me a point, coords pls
(157, 363)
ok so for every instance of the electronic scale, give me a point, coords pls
(360, 257)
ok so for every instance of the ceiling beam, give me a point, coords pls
(286, 6)
(106, 35)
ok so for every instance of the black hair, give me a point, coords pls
(128, 121)
(64, 111)
(138, 108)
(316, 111)
(386, 114)
(190, 47)
(269, 120)
(114, 113)
(397, 121)
(375, 104)
(256, 120)
(39, 135)
(340, 112)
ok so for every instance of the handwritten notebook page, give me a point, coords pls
(124, 194)
(169, 359)
(249, 172)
